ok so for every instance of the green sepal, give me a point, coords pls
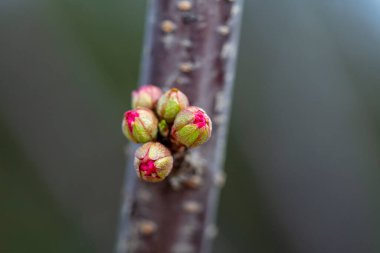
(163, 128)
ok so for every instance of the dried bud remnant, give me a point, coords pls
(168, 26)
(147, 227)
(170, 104)
(186, 67)
(146, 96)
(140, 125)
(223, 30)
(192, 207)
(192, 127)
(194, 182)
(153, 162)
(184, 5)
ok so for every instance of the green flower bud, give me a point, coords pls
(146, 96)
(170, 104)
(163, 128)
(192, 127)
(153, 162)
(140, 125)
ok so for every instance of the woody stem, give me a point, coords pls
(196, 54)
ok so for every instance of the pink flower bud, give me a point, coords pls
(170, 104)
(153, 162)
(192, 127)
(140, 125)
(146, 96)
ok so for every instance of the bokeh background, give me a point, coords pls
(304, 150)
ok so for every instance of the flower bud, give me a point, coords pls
(146, 96)
(192, 127)
(163, 128)
(170, 104)
(153, 162)
(140, 125)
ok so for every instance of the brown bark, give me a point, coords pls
(198, 57)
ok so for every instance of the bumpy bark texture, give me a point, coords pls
(195, 51)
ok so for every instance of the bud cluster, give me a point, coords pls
(162, 121)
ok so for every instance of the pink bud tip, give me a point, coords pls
(130, 117)
(199, 119)
(148, 87)
(148, 168)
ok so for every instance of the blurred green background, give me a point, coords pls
(303, 155)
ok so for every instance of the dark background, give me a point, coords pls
(303, 155)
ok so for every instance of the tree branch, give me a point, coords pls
(193, 49)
